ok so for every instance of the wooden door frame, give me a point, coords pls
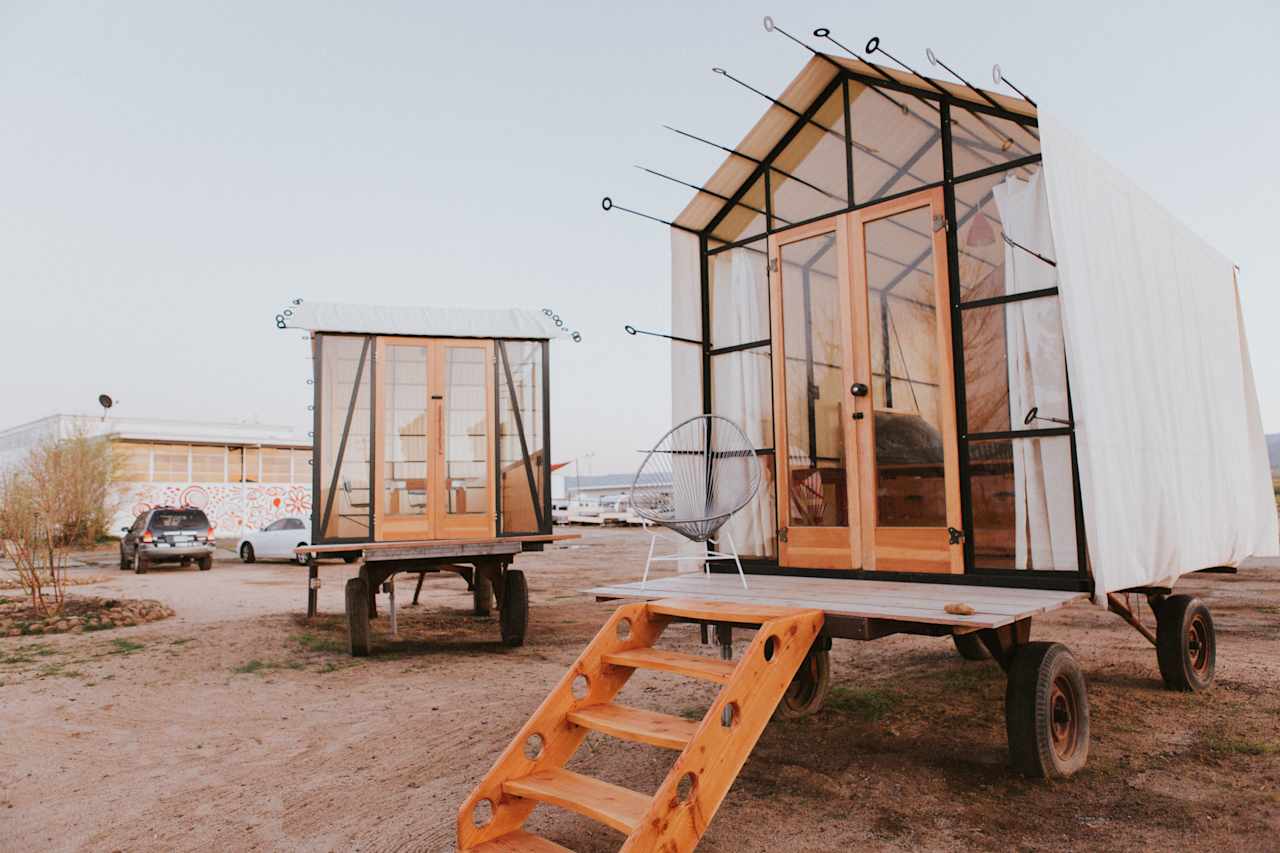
(829, 547)
(910, 544)
(454, 525)
(397, 527)
(436, 523)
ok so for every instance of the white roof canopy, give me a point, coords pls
(519, 323)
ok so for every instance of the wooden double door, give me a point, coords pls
(864, 398)
(433, 439)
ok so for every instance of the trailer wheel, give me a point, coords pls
(206, 563)
(357, 593)
(481, 595)
(1046, 712)
(970, 647)
(139, 564)
(514, 616)
(1186, 645)
(808, 690)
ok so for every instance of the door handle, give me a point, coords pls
(858, 389)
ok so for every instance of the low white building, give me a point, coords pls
(244, 476)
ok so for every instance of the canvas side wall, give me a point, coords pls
(1160, 389)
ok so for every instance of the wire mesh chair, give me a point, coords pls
(713, 472)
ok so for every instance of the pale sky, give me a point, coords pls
(171, 173)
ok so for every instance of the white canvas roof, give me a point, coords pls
(520, 323)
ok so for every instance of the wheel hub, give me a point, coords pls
(1063, 719)
(1198, 644)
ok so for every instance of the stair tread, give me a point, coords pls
(612, 805)
(695, 666)
(519, 841)
(637, 724)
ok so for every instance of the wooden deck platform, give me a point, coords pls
(855, 603)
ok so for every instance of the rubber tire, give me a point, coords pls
(481, 596)
(124, 562)
(246, 553)
(139, 564)
(205, 563)
(1173, 627)
(1028, 721)
(970, 647)
(809, 688)
(514, 617)
(186, 561)
(357, 593)
(300, 559)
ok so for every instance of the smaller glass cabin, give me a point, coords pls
(430, 424)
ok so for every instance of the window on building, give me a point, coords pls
(209, 464)
(302, 467)
(133, 462)
(172, 463)
(251, 472)
(275, 465)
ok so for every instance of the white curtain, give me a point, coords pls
(741, 382)
(1044, 498)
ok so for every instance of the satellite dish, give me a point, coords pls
(105, 401)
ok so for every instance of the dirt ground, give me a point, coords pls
(236, 725)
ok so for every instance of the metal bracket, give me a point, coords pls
(939, 224)
(782, 534)
(955, 537)
(773, 265)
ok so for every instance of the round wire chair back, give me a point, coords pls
(696, 477)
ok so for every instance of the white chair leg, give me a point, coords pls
(653, 540)
(733, 549)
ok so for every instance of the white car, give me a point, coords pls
(276, 541)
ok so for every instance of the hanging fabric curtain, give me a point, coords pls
(1043, 496)
(741, 381)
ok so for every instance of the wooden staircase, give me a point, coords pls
(712, 750)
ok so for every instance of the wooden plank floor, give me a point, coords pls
(899, 600)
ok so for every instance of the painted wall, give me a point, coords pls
(233, 508)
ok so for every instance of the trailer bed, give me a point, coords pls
(858, 605)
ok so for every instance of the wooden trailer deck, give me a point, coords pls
(860, 609)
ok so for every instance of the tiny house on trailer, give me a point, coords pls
(432, 441)
(986, 376)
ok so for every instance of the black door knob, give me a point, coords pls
(857, 389)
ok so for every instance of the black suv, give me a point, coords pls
(168, 535)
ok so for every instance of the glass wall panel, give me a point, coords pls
(745, 219)
(742, 391)
(808, 177)
(235, 465)
(754, 527)
(209, 464)
(132, 461)
(403, 372)
(980, 141)
(905, 371)
(739, 291)
(893, 151)
(1014, 360)
(172, 463)
(275, 465)
(466, 448)
(522, 457)
(345, 378)
(814, 382)
(1023, 504)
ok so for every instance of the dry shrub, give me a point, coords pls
(57, 499)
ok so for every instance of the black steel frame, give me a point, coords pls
(943, 103)
(368, 371)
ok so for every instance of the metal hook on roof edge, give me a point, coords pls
(999, 78)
